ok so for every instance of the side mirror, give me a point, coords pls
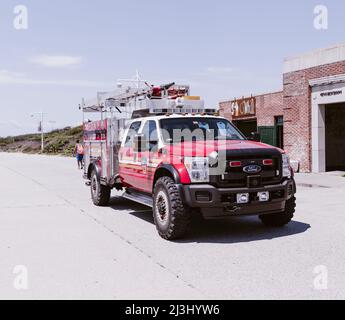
(139, 144)
(255, 136)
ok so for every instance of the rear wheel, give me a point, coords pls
(100, 194)
(280, 219)
(170, 215)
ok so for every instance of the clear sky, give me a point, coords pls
(222, 48)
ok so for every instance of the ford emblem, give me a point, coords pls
(253, 168)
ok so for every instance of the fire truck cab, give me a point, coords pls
(181, 159)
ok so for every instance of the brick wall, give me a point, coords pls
(267, 106)
(225, 109)
(294, 103)
(297, 110)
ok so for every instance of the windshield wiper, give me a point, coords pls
(227, 138)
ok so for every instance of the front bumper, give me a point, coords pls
(221, 202)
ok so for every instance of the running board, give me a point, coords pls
(146, 200)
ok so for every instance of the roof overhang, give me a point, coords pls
(327, 80)
(315, 58)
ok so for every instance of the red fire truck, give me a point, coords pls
(165, 150)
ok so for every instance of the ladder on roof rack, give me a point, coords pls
(131, 103)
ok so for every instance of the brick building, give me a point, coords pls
(306, 118)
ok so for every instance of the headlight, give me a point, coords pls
(198, 168)
(286, 166)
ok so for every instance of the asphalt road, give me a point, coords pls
(55, 244)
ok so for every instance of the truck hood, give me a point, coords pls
(204, 148)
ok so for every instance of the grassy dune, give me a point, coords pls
(58, 142)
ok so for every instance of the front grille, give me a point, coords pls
(237, 178)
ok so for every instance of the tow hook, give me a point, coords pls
(233, 209)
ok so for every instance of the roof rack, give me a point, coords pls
(138, 102)
(147, 113)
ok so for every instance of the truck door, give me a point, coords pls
(149, 157)
(129, 162)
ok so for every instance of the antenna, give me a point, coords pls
(136, 80)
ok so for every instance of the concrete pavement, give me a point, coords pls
(321, 180)
(71, 249)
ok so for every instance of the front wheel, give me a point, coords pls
(170, 215)
(100, 194)
(280, 219)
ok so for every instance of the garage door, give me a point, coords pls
(335, 137)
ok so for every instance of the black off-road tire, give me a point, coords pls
(280, 219)
(170, 215)
(100, 194)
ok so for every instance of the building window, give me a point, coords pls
(279, 124)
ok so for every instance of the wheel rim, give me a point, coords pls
(94, 186)
(162, 207)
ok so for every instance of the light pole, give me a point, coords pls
(41, 128)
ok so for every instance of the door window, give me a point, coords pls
(132, 132)
(151, 135)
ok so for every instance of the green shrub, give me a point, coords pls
(77, 131)
(60, 141)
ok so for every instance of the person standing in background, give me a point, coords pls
(79, 152)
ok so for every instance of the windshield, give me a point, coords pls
(176, 130)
